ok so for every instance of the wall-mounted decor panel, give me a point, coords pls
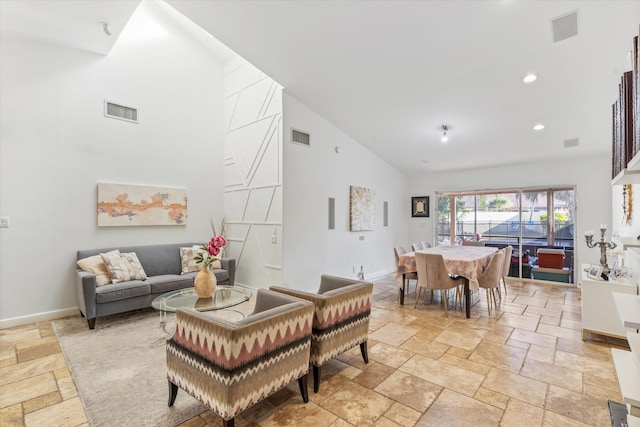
(362, 215)
(138, 205)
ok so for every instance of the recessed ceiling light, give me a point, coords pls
(539, 126)
(529, 78)
(425, 161)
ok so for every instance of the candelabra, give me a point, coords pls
(604, 245)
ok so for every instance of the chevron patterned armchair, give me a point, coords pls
(231, 366)
(340, 320)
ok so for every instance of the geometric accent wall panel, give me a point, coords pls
(252, 174)
(258, 205)
(251, 102)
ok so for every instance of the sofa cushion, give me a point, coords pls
(123, 267)
(170, 282)
(120, 291)
(94, 264)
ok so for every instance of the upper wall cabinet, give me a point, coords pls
(626, 125)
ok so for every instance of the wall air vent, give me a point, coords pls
(573, 142)
(565, 26)
(116, 111)
(300, 137)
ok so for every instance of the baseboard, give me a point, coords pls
(378, 274)
(38, 317)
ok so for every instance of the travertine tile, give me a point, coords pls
(551, 419)
(493, 398)
(11, 416)
(470, 365)
(430, 349)
(357, 405)
(443, 374)
(464, 340)
(553, 374)
(541, 311)
(577, 406)
(558, 331)
(531, 301)
(514, 385)
(68, 413)
(373, 375)
(67, 388)
(393, 334)
(521, 414)
(499, 355)
(534, 338)
(402, 414)
(411, 391)
(35, 349)
(31, 368)
(541, 354)
(42, 401)
(518, 344)
(299, 415)
(29, 388)
(519, 321)
(389, 355)
(465, 410)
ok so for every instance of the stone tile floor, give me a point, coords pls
(523, 365)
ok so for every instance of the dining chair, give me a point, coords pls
(490, 278)
(417, 246)
(472, 243)
(425, 245)
(397, 251)
(433, 275)
(505, 268)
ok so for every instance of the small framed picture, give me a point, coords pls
(594, 272)
(420, 207)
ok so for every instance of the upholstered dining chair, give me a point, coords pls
(433, 275)
(340, 320)
(397, 251)
(505, 268)
(472, 243)
(417, 246)
(231, 366)
(425, 245)
(491, 276)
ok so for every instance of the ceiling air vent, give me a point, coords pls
(565, 26)
(116, 111)
(573, 142)
(300, 137)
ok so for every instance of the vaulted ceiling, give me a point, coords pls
(391, 73)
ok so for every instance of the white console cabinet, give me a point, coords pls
(599, 314)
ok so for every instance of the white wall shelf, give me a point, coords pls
(628, 375)
(628, 307)
(626, 177)
(625, 243)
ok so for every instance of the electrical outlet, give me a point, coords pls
(4, 222)
(361, 237)
(354, 268)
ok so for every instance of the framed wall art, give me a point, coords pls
(362, 209)
(138, 205)
(420, 207)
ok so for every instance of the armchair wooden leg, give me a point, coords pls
(316, 378)
(304, 390)
(173, 392)
(228, 423)
(417, 297)
(363, 351)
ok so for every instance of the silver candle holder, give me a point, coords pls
(603, 244)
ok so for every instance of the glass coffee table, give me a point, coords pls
(223, 298)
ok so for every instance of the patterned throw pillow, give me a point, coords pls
(124, 267)
(95, 264)
(189, 265)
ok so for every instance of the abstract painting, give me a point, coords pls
(134, 205)
(362, 209)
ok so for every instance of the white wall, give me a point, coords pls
(590, 175)
(253, 174)
(55, 145)
(314, 174)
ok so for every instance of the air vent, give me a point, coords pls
(116, 111)
(565, 26)
(300, 137)
(573, 142)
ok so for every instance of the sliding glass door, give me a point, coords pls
(527, 219)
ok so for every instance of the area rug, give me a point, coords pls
(120, 371)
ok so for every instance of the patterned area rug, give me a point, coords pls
(119, 368)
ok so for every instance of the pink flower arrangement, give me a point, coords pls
(216, 244)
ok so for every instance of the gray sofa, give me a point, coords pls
(162, 265)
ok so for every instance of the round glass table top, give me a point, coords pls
(224, 297)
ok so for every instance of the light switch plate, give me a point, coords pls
(4, 222)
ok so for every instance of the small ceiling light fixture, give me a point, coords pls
(529, 78)
(539, 126)
(445, 137)
(105, 28)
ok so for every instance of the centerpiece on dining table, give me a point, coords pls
(205, 281)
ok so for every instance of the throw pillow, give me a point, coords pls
(189, 265)
(95, 264)
(124, 267)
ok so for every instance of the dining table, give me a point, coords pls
(468, 262)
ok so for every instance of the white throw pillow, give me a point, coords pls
(95, 264)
